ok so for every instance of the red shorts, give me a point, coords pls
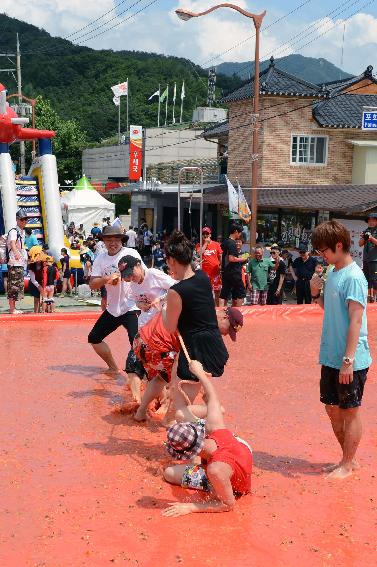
(156, 364)
(215, 282)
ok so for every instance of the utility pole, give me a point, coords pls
(19, 90)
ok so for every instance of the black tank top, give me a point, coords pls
(198, 306)
(198, 326)
(50, 275)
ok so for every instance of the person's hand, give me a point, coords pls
(176, 509)
(114, 279)
(278, 292)
(316, 284)
(143, 305)
(196, 367)
(346, 374)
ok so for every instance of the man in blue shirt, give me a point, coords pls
(344, 352)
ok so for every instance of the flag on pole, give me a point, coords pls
(164, 94)
(174, 98)
(157, 93)
(232, 198)
(183, 92)
(243, 208)
(116, 100)
(121, 89)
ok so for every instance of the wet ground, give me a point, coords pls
(81, 486)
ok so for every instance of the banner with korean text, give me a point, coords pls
(136, 152)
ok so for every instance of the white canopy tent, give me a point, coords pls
(84, 205)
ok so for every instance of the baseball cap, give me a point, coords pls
(126, 265)
(206, 229)
(302, 248)
(21, 214)
(185, 440)
(236, 321)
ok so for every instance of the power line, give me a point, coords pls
(335, 12)
(58, 48)
(96, 20)
(253, 35)
(328, 29)
(264, 119)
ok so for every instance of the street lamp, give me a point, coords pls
(257, 19)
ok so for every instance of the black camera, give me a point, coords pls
(366, 235)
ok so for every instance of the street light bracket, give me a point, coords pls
(187, 14)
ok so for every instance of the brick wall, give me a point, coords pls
(275, 145)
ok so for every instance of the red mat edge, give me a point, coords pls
(276, 311)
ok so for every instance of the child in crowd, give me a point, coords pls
(66, 272)
(158, 256)
(50, 275)
(226, 460)
(35, 270)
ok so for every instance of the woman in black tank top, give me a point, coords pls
(191, 309)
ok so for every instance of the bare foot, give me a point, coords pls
(340, 473)
(330, 468)
(140, 415)
(112, 372)
(127, 408)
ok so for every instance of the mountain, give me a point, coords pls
(77, 79)
(316, 71)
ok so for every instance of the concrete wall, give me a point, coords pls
(106, 162)
(162, 146)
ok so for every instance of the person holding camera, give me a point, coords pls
(368, 241)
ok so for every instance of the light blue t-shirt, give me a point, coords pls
(343, 285)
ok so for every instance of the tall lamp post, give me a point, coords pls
(257, 19)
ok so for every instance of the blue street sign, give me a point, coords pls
(369, 119)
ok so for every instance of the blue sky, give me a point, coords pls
(203, 40)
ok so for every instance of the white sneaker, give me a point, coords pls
(17, 312)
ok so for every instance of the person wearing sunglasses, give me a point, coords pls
(211, 260)
(303, 269)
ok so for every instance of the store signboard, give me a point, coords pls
(136, 152)
(369, 121)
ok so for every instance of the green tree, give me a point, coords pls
(68, 143)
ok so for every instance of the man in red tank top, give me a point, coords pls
(226, 460)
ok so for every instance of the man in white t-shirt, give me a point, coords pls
(16, 262)
(121, 308)
(147, 286)
(132, 237)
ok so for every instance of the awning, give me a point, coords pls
(349, 199)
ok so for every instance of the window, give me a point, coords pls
(309, 150)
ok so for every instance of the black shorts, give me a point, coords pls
(232, 285)
(107, 324)
(370, 272)
(34, 291)
(345, 396)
